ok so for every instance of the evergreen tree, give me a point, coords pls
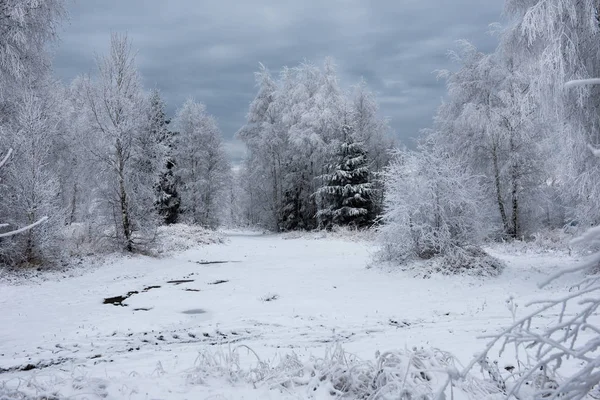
(347, 193)
(167, 201)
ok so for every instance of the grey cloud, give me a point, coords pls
(210, 49)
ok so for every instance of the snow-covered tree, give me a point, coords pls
(562, 359)
(167, 199)
(26, 28)
(294, 132)
(557, 40)
(266, 140)
(347, 190)
(433, 210)
(31, 187)
(121, 146)
(490, 122)
(374, 132)
(202, 164)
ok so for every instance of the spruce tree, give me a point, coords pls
(167, 201)
(346, 195)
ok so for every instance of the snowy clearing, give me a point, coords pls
(272, 293)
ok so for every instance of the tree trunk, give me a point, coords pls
(125, 218)
(73, 204)
(514, 178)
(499, 189)
(515, 229)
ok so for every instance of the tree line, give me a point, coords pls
(507, 156)
(315, 152)
(97, 157)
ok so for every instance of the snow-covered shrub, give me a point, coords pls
(408, 374)
(433, 210)
(181, 237)
(82, 239)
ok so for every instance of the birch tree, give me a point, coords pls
(31, 186)
(202, 164)
(118, 145)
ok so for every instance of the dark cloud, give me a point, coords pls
(210, 49)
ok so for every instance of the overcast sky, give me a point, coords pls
(210, 49)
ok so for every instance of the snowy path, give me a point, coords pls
(324, 294)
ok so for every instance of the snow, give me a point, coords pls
(582, 82)
(320, 295)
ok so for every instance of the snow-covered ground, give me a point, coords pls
(274, 294)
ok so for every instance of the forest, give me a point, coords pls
(95, 169)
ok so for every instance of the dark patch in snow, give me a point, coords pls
(180, 281)
(218, 282)
(142, 309)
(399, 324)
(118, 300)
(40, 365)
(194, 311)
(150, 288)
(191, 290)
(270, 297)
(213, 262)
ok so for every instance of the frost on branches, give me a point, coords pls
(346, 194)
(433, 212)
(562, 360)
(294, 131)
(125, 155)
(202, 165)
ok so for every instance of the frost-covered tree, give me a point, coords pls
(294, 132)
(26, 28)
(79, 182)
(31, 187)
(202, 164)
(266, 140)
(125, 155)
(167, 199)
(347, 192)
(561, 355)
(557, 41)
(490, 122)
(433, 210)
(374, 132)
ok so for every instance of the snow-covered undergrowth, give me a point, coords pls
(404, 374)
(396, 374)
(180, 237)
(544, 241)
(469, 261)
(338, 232)
(85, 249)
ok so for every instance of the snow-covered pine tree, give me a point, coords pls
(346, 193)
(167, 200)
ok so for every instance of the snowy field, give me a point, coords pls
(277, 295)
